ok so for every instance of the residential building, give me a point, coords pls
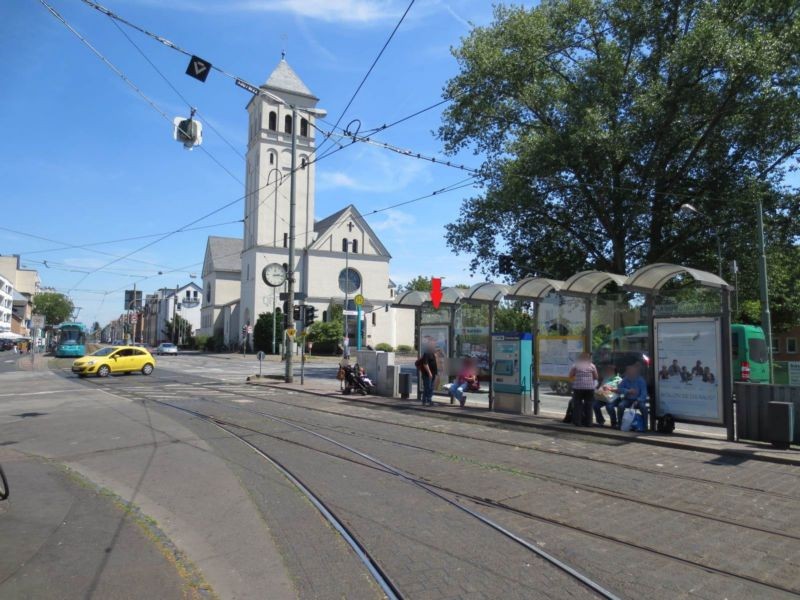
(163, 305)
(26, 284)
(786, 344)
(6, 304)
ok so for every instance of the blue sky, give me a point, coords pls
(86, 160)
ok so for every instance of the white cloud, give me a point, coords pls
(393, 220)
(375, 170)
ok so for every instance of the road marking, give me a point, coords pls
(37, 393)
(242, 401)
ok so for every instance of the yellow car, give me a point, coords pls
(115, 359)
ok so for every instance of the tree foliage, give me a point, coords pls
(262, 332)
(178, 330)
(598, 119)
(420, 283)
(55, 307)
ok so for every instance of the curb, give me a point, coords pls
(593, 432)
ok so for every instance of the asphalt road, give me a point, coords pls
(641, 521)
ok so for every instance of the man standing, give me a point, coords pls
(428, 371)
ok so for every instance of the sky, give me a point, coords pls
(85, 160)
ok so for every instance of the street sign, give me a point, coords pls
(37, 321)
(436, 291)
(291, 332)
(246, 86)
(359, 299)
(261, 355)
(350, 313)
(297, 296)
(134, 318)
(198, 68)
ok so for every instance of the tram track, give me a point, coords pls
(375, 569)
(548, 451)
(475, 499)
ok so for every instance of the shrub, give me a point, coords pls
(405, 349)
(200, 341)
(383, 347)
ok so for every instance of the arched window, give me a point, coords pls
(287, 124)
(355, 246)
(344, 244)
(304, 127)
(208, 293)
(273, 120)
(374, 318)
(285, 240)
(272, 158)
(303, 162)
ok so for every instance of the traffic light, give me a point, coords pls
(244, 330)
(505, 264)
(310, 316)
(296, 312)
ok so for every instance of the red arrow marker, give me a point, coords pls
(436, 291)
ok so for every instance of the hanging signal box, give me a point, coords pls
(188, 132)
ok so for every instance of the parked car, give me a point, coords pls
(113, 359)
(166, 348)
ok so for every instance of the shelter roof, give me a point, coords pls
(533, 288)
(485, 292)
(590, 283)
(652, 278)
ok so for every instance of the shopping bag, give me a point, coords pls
(638, 423)
(627, 419)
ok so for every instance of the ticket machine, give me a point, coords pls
(512, 370)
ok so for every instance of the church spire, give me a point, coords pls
(284, 79)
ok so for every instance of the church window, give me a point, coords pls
(374, 318)
(304, 127)
(272, 158)
(273, 120)
(303, 162)
(344, 245)
(248, 272)
(355, 246)
(287, 124)
(208, 293)
(285, 240)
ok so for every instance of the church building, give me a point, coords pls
(337, 257)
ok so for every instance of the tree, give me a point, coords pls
(262, 332)
(420, 283)
(598, 120)
(55, 307)
(178, 330)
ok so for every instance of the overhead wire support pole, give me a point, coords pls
(289, 376)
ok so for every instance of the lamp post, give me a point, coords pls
(346, 292)
(289, 377)
(766, 317)
(688, 208)
(278, 182)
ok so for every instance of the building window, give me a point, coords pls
(287, 124)
(791, 345)
(355, 246)
(273, 120)
(304, 127)
(344, 245)
(349, 280)
(272, 158)
(248, 272)
(194, 294)
(303, 162)
(776, 344)
(374, 318)
(285, 240)
(208, 293)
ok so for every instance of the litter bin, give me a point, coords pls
(780, 424)
(404, 385)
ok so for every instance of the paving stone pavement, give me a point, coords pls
(616, 509)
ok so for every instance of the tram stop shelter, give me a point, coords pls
(675, 332)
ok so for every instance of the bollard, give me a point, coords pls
(405, 385)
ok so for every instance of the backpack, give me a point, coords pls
(665, 424)
(419, 363)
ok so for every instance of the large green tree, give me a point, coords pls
(597, 120)
(55, 307)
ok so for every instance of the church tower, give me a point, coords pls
(267, 183)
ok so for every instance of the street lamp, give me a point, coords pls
(278, 182)
(688, 208)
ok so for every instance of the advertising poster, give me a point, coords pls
(688, 369)
(555, 355)
(440, 336)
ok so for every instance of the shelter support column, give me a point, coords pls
(491, 357)
(727, 375)
(650, 304)
(535, 362)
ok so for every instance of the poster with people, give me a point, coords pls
(439, 335)
(688, 369)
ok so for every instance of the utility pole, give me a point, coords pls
(766, 318)
(289, 378)
(174, 316)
